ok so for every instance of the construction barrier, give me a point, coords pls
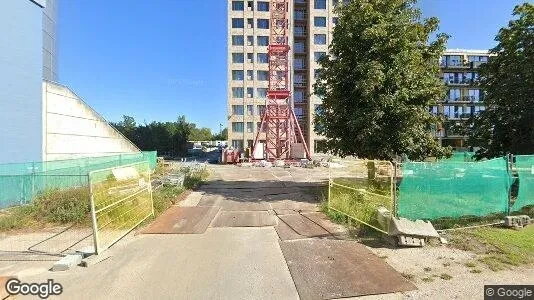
(357, 188)
(524, 165)
(121, 198)
(447, 189)
(20, 183)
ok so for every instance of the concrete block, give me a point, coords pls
(67, 262)
(410, 241)
(94, 259)
(407, 227)
(517, 221)
(86, 251)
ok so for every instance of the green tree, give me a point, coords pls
(200, 134)
(222, 136)
(379, 80)
(507, 124)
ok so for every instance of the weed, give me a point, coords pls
(446, 264)
(475, 271)
(470, 264)
(408, 276)
(445, 276)
(427, 279)
(427, 269)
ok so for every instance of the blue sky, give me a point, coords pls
(155, 60)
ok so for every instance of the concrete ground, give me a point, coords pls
(238, 256)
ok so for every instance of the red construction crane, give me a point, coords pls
(279, 125)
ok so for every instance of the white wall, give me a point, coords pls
(73, 129)
(21, 69)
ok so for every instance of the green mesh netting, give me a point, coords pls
(453, 189)
(461, 157)
(21, 182)
(525, 170)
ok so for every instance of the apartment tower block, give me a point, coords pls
(310, 31)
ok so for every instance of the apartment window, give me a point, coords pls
(263, 58)
(237, 40)
(237, 110)
(298, 96)
(263, 40)
(238, 75)
(263, 6)
(250, 127)
(475, 58)
(237, 144)
(474, 95)
(454, 60)
(250, 92)
(319, 39)
(263, 75)
(250, 75)
(238, 5)
(433, 110)
(318, 108)
(237, 127)
(478, 109)
(250, 58)
(260, 128)
(299, 47)
(335, 20)
(263, 23)
(250, 110)
(320, 4)
(299, 31)
(300, 15)
(250, 23)
(319, 21)
(238, 23)
(318, 55)
(298, 79)
(262, 93)
(238, 58)
(316, 73)
(261, 110)
(298, 63)
(238, 92)
(250, 5)
(454, 94)
(250, 143)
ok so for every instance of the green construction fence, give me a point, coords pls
(20, 183)
(524, 165)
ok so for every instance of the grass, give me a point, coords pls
(446, 264)
(445, 276)
(427, 269)
(165, 197)
(499, 248)
(408, 276)
(427, 279)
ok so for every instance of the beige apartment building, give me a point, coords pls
(463, 99)
(311, 23)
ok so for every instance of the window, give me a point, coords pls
(250, 143)
(263, 40)
(298, 96)
(318, 108)
(250, 127)
(238, 5)
(319, 39)
(263, 75)
(300, 15)
(250, 92)
(335, 20)
(453, 60)
(434, 110)
(237, 127)
(298, 63)
(263, 129)
(237, 110)
(319, 22)
(238, 75)
(473, 95)
(237, 40)
(316, 73)
(263, 58)
(237, 144)
(250, 40)
(238, 92)
(263, 6)
(299, 47)
(250, 23)
(263, 23)
(299, 31)
(250, 58)
(238, 58)
(262, 93)
(238, 23)
(250, 75)
(318, 55)
(320, 4)
(261, 110)
(454, 94)
(250, 110)
(250, 5)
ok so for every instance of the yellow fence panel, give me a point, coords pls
(121, 198)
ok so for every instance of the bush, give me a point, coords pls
(63, 206)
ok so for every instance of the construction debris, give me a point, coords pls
(407, 232)
(517, 221)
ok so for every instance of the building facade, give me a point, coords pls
(50, 43)
(463, 99)
(310, 31)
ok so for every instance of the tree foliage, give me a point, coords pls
(379, 80)
(507, 124)
(222, 136)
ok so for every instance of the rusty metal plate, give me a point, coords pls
(183, 220)
(244, 219)
(326, 269)
(297, 226)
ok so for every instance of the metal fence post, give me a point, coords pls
(93, 216)
(394, 192)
